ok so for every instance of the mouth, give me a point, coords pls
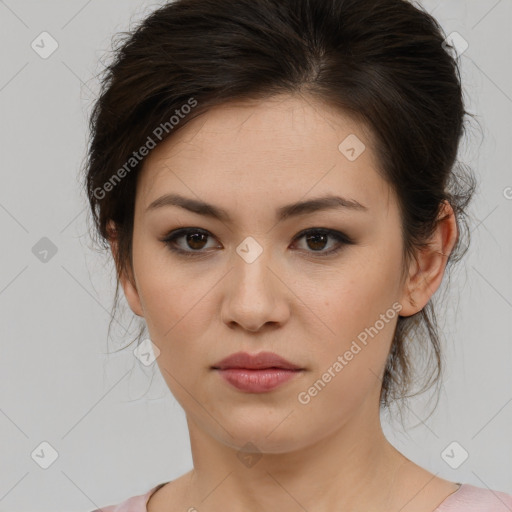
(257, 373)
(257, 381)
(260, 361)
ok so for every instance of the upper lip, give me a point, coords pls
(258, 361)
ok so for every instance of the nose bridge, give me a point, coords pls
(253, 297)
(252, 262)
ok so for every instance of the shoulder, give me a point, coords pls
(133, 504)
(469, 498)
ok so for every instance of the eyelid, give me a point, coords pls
(332, 232)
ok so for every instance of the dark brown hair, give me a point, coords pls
(382, 61)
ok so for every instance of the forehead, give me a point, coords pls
(285, 147)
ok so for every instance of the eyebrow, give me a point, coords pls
(282, 213)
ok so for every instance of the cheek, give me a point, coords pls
(167, 291)
(357, 295)
(176, 315)
(175, 311)
(361, 310)
(347, 372)
(170, 300)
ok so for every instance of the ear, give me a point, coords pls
(427, 270)
(127, 281)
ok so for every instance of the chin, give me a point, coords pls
(266, 437)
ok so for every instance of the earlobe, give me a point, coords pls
(427, 270)
(127, 282)
(409, 305)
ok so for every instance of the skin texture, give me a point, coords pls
(250, 159)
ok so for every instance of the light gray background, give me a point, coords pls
(115, 426)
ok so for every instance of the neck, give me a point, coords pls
(354, 466)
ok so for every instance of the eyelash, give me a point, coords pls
(341, 238)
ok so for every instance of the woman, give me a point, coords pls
(277, 182)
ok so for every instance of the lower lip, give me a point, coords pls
(257, 381)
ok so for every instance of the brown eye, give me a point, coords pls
(194, 241)
(318, 239)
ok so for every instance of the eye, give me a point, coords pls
(316, 239)
(195, 240)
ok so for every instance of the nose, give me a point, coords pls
(256, 297)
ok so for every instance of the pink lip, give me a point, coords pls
(258, 361)
(256, 373)
(257, 381)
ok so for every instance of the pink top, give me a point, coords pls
(467, 498)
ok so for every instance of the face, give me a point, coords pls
(320, 287)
